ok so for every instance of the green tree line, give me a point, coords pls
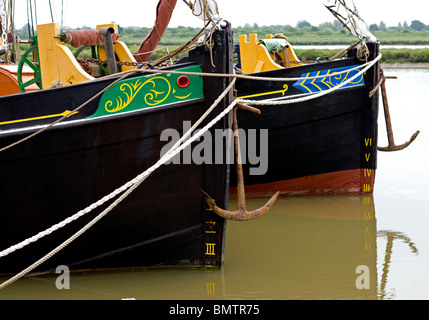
(303, 33)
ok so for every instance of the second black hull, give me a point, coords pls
(323, 146)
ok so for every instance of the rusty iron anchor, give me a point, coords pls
(241, 214)
(392, 146)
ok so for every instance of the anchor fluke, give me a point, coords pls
(241, 214)
(400, 147)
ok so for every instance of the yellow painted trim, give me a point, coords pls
(302, 84)
(183, 97)
(285, 87)
(314, 80)
(67, 113)
(328, 75)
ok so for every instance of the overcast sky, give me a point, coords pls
(141, 13)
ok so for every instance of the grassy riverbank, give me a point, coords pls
(390, 56)
(328, 33)
(174, 37)
(296, 36)
(396, 56)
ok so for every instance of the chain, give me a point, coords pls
(84, 62)
(100, 61)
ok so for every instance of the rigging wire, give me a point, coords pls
(12, 18)
(50, 8)
(62, 15)
(35, 12)
(30, 25)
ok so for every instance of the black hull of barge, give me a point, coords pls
(164, 222)
(322, 146)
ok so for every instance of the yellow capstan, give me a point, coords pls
(57, 63)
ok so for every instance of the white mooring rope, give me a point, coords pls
(133, 184)
(115, 193)
(136, 182)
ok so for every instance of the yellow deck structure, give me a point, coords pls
(256, 58)
(120, 48)
(57, 62)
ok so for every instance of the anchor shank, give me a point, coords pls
(392, 146)
(387, 113)
(241, 214)
(238, 161)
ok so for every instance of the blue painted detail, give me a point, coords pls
(333, 78)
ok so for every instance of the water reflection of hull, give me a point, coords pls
(343, 182)
(318, 243)
(305, 248)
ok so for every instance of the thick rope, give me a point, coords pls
(115, 193)
(185, 136)
(129, 72)
(135, 183)
(172, 153)
(254, 102)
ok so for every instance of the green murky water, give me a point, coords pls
(364, 247)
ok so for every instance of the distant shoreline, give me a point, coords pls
(405, 65)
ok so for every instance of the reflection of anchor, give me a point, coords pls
(241, 214)
(392, 146)
(391, 236)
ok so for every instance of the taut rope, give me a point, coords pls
(131, 186)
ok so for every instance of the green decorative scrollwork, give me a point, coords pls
(130, 90)
(150, 91)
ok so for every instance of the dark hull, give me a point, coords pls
(164, 222)
(322, 146)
